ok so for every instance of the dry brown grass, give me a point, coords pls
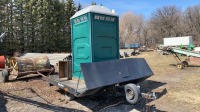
(183, 86)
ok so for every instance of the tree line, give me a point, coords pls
(167, 21)
(36, 25)
(44, 25)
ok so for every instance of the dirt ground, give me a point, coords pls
(176, 91)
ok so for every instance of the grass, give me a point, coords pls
(183, 86)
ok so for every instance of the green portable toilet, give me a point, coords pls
(95, 37)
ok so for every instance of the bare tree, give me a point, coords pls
(192, 21)
(166, 22)
(145, 34)
(130, 28)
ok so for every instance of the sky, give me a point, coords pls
(144, 7)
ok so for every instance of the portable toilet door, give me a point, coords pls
(95, 37)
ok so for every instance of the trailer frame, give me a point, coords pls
(105, 74)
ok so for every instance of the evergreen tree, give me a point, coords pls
(70, 11)
(2, 22)
(30, 22)
(93, 3)
(19, 27)
(36, 25)
(8, 25)
(79, 7)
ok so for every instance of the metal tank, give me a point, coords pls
(24, 66)
(30, 64)
(2, 62)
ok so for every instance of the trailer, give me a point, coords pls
(192, 57)
(95, 63)
(177, 41)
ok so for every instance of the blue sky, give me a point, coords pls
(145, 7)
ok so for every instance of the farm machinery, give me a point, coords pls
(17, 67)
(2, 62)
(192, 57)
(178, 46)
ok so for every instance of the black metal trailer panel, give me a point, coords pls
(105, 73)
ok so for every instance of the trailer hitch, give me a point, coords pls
(149, 95)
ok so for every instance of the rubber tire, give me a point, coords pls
(5, 75)
(50, 84)
(69, 96)
(136, 92)
(161, 53)
(185, 63)
(51, 66)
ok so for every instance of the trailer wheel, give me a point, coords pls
(180, 66)
(185, 63)
(161, 53)
(50, 84)
(132, 93)
(52, 67)
(5, 75)
(69, 96)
